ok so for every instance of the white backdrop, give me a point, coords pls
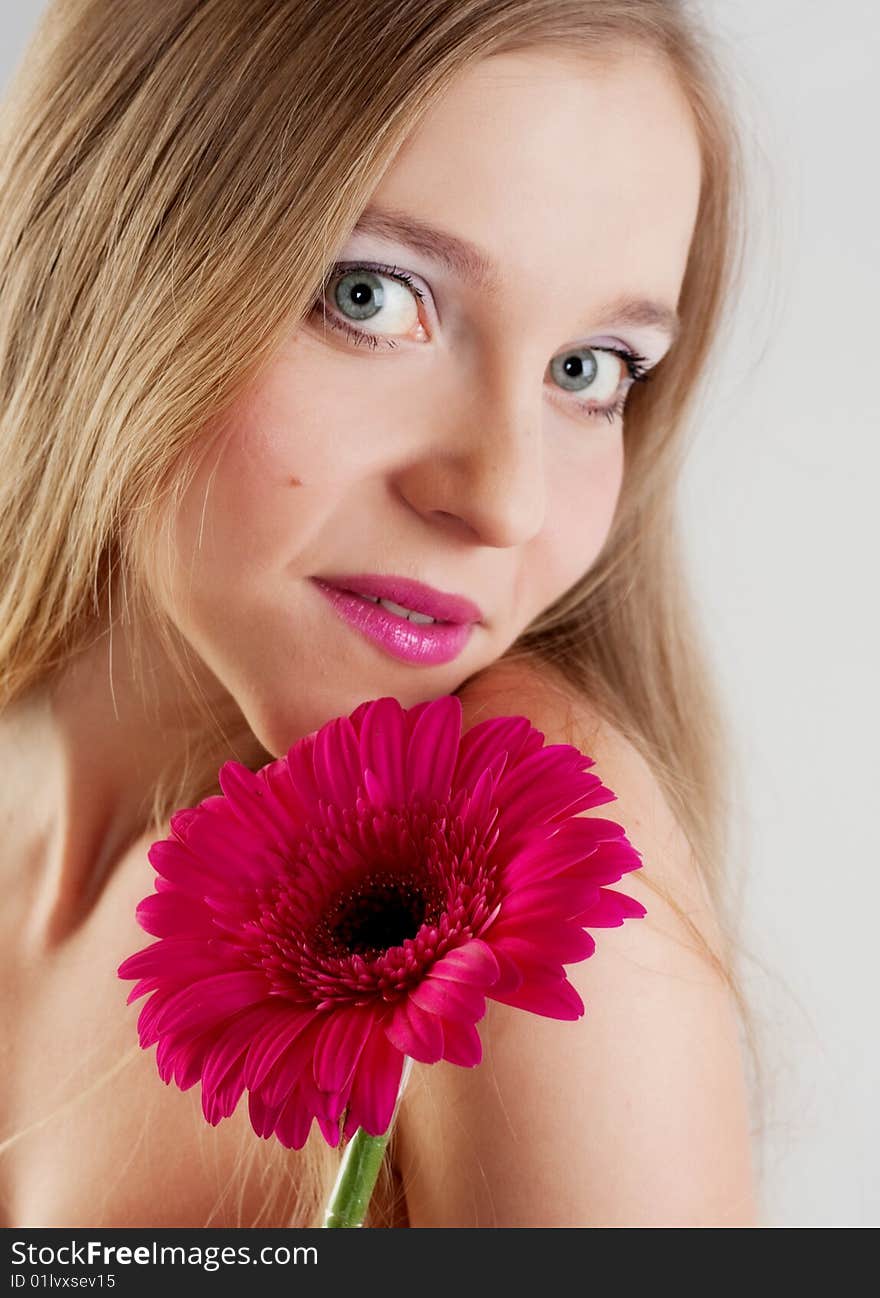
(781, 520)
(782, 526)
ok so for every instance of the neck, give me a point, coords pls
(84, 753)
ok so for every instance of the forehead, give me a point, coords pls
(559, 165)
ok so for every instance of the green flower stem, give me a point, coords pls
(359, 1170)
(356, 1180)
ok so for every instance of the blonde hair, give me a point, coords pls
(175, 180)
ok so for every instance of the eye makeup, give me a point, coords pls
(637, 365)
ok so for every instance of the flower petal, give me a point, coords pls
(141, 988)
(295, 779)
(510, 976)
(377, 794)
(293, 1123)
(181, 958)
(558, 941)
(375, 1086)
(189, 873)
(449, 1000)
(294, 1067)
(246, 801)
(544, 787)
(339, 1046)
(474, 962)
(530, 961)
(170, 913)
(210, 1000)
(383, 748)
(291, 807)
(230, 1048)
(461, 1044)
(226, 852)
(182, 1058)
(146, 1024)
(267, 1048)
(223, 1101)
(330, 1130)
(561, 898)
(574, 843)
(263, 1116)
(552, 998)
(483, 743)
(433, 750)
(303, 1104)
(181, 820)
(415, 1033)
(610, 909)
(478, 814)
(337, 763)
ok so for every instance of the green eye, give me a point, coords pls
(359, 294)
(366, 293)
(588, 369)
(575, 370)
(602, 374)
(355, 292)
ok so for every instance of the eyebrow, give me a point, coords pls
(472, 265)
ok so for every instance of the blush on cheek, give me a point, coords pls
(578, 524)
(597, 478)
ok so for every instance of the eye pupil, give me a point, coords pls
(359, 295)
(576, 370)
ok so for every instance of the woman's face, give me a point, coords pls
(467, 433)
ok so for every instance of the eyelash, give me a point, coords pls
(636, 364)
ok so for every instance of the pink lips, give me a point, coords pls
(428, 644)
(409, 594)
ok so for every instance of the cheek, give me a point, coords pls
(603, 485)
(580, 509)
(259, 495)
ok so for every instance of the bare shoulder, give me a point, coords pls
(634, 1115)
(676, 897)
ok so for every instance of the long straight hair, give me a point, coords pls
(176, 180)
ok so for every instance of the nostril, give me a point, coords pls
(456, 521)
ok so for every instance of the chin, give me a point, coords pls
(279, 723)
(280, 731)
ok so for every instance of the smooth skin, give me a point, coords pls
(635, 1115)
(458, 459)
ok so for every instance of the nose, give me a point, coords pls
(480, 465)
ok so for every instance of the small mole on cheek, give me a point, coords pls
(295, 482)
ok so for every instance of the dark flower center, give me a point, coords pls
(382, 911)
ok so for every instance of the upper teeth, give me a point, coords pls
(399, 609)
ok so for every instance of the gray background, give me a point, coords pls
(780, 511)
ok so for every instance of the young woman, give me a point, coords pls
(293, 293)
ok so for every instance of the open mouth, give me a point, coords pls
(402, 632)
(419, 619)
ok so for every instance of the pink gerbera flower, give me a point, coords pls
(356, 901)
